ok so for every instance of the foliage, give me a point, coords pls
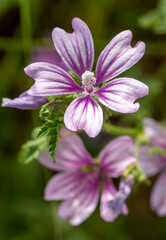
(31, 149)
(155, 19)
(52, 128)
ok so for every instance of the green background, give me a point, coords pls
(27, 24)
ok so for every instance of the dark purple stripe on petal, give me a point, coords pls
(50, 80)
(120, 94)
(76, 49)
(118, 56)
(84, 113)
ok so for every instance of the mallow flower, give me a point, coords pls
(153, 164)
(77, 52)
(24, 101)
(81, 178)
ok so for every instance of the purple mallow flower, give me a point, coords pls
(81, 177)
(77, 52)
(153, 164)
(24, 101)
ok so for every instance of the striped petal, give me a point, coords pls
(158, 196)
(24, 102)
(68, 156)
(65, 185)
(84, 113)
(83, 204)
(108, 194)
(76, 49)
(118, 56)
(50, 80)
(150, 164)
(120, 94)
(155, 132)
(117, 155)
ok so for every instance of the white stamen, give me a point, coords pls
(88, 80)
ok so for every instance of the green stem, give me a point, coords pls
(25, 16)
(119, 130)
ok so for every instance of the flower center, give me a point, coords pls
(88, 80)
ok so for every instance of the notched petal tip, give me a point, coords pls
(126, 33)
(118, 56)
(121, 93)
(75, 49)
(77, 20)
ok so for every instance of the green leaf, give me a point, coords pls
(52, 128)
(155, 19)
(53, 136)
(42, 130)
(31, 149)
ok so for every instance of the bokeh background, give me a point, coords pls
(25, 28)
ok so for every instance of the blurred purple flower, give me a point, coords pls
(77, 52)
(24, 101)
(153, 164)
(49, 56)
(79, 181)
(125, 187)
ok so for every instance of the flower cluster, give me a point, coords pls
(72, 94)
(77, 53)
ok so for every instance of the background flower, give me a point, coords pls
(153, 164)
(80, 188)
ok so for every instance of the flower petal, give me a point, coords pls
(108, 194)
(76, 49)
(158, 196)
(155, 132)
(24, 101)
(117, 155)
(50, 80)
(150, 164)
(65, 185)
(120, 94)
(118, 56)
(83, 204)
(68, 156)
(84, 113)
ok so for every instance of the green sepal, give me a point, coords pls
(75, 77)
(44, 112)
(137, 174)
